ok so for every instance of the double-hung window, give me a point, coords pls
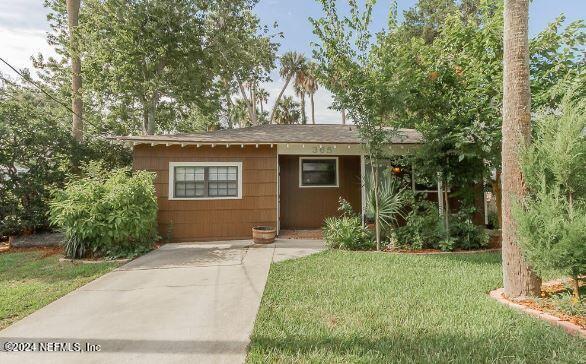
(205, 180)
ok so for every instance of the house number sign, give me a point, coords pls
(322, 150)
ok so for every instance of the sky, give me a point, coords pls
(23, 27)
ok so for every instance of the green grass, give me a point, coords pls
(29, 281)
(344, 307)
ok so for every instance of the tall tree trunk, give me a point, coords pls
(279, 98)
(150, 129)
(253, 104)
(518, 278)
(76, 97)
(248, 101)
(229, 108)
(343, 116)
(312, 108)
(149, 109)
(303, 114)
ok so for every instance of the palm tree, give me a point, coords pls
(291, 63)
(239, 112)
(310, 85)
(299, 88)
(262, 96)
(518, 278)
(287, 111)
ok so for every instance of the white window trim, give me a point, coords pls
(337, 185)
(172, 166)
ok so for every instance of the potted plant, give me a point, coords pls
(263, 234)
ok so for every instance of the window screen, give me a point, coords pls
(212, 181)
(318, 172)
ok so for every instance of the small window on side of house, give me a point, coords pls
(318, 172)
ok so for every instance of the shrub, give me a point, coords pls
(106, 213)
(346, 231)
(465, 234)
(423, 227)
(345, 208)
(391, 201)
(447, 244)
(551, 219)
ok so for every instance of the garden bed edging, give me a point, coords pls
(567, 326)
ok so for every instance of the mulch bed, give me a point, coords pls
(45, 251)
(550, 289)
(301, 234)
(546, 310)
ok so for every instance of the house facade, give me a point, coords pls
(218, 185)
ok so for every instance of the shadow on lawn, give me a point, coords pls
(484, 258)
(427, 346)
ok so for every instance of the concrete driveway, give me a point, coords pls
(183, 303)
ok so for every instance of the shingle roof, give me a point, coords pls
(319, 133)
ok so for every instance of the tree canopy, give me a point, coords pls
(159, 66)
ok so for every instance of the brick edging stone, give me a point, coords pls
(567, 326)
(414, 252)
(89, 261)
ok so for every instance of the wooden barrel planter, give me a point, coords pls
(263, 234)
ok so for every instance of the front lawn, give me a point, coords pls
(30, 280)
(340, 306)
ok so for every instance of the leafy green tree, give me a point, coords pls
(551, 219)
(34, 158)
(38, 153)
(349, 68)
(426, 18)
(287, 111)
(558, 63)
(246, 52)
(169, 58)
(151, 52)
(447, 85)
(454, 83)
(454, 98)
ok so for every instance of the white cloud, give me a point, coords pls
(19, 45)
(23, 27)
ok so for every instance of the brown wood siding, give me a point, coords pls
(306, 208)
(197, 220)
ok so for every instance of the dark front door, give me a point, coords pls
(310, 187)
